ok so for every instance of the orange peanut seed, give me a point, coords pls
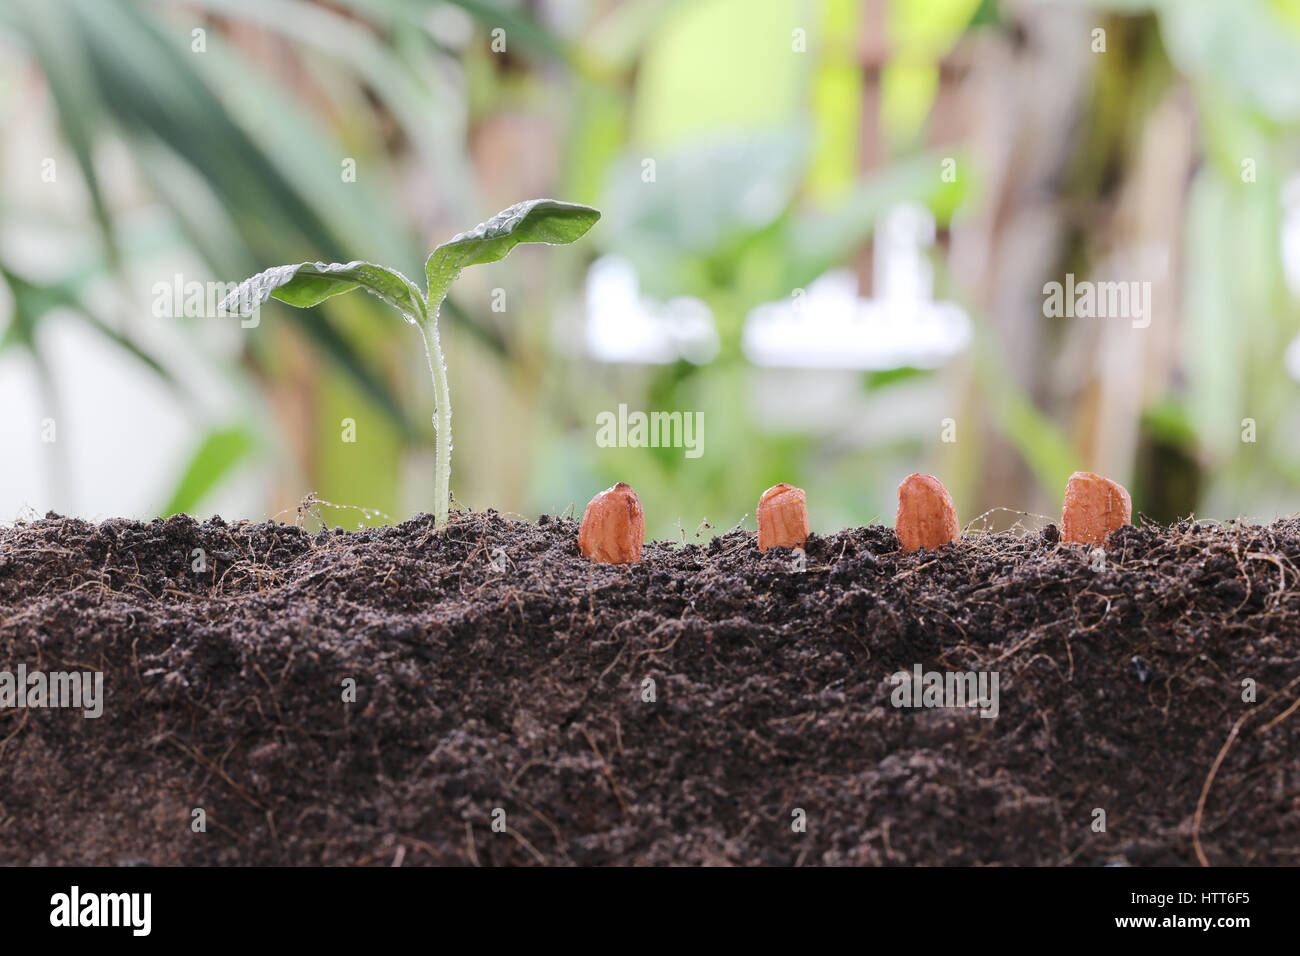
(782, 518)
(1094, 507)
(613, 526)
(926, 517)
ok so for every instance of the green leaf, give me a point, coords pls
(537, 220)
(215, 458)
(310, 283)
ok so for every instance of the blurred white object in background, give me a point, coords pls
(624, 326)
(830, 326)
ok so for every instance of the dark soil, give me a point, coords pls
(522, 690)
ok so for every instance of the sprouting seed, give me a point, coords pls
(782, 518)
(926, 516)
(1094, 507)
(613, 527)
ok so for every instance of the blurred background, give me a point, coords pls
(829, 230)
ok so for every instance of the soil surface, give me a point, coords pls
(510, 686)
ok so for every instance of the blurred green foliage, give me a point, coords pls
(761, 185)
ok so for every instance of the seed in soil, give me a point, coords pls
(613, 526)
(1094, 507)
(782, 518)
(926, 516)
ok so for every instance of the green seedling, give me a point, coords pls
(310, 283)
